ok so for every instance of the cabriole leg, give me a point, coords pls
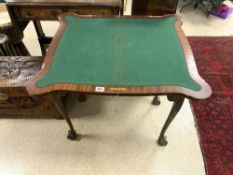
(60, 106)
(177, 104)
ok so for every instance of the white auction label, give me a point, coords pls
(99, 89)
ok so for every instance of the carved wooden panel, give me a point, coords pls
(19, 68)
(14, 99)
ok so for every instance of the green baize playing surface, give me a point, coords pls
(119, 52)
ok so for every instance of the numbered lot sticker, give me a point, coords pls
(99, 89)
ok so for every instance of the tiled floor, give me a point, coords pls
(119, 133)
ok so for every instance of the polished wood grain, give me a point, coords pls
(42, 2)
(154, 7)
(122, 90)
(50, 10)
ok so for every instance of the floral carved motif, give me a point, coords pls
(19, 67)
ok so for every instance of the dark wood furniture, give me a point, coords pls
(16, 47)
(154, 7)
(6, 28)
(8, 48)
(46, 80)
(23, 11)
(14, 99)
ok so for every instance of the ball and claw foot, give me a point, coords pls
(71, 135)
(162, 141)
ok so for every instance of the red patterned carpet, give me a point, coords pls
(214, 116)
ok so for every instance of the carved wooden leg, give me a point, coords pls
(178, 102)
(155, 101)
(59, 104)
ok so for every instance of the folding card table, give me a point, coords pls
(121, 56)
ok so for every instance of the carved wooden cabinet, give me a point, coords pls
(14, 99)
(154, 7)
